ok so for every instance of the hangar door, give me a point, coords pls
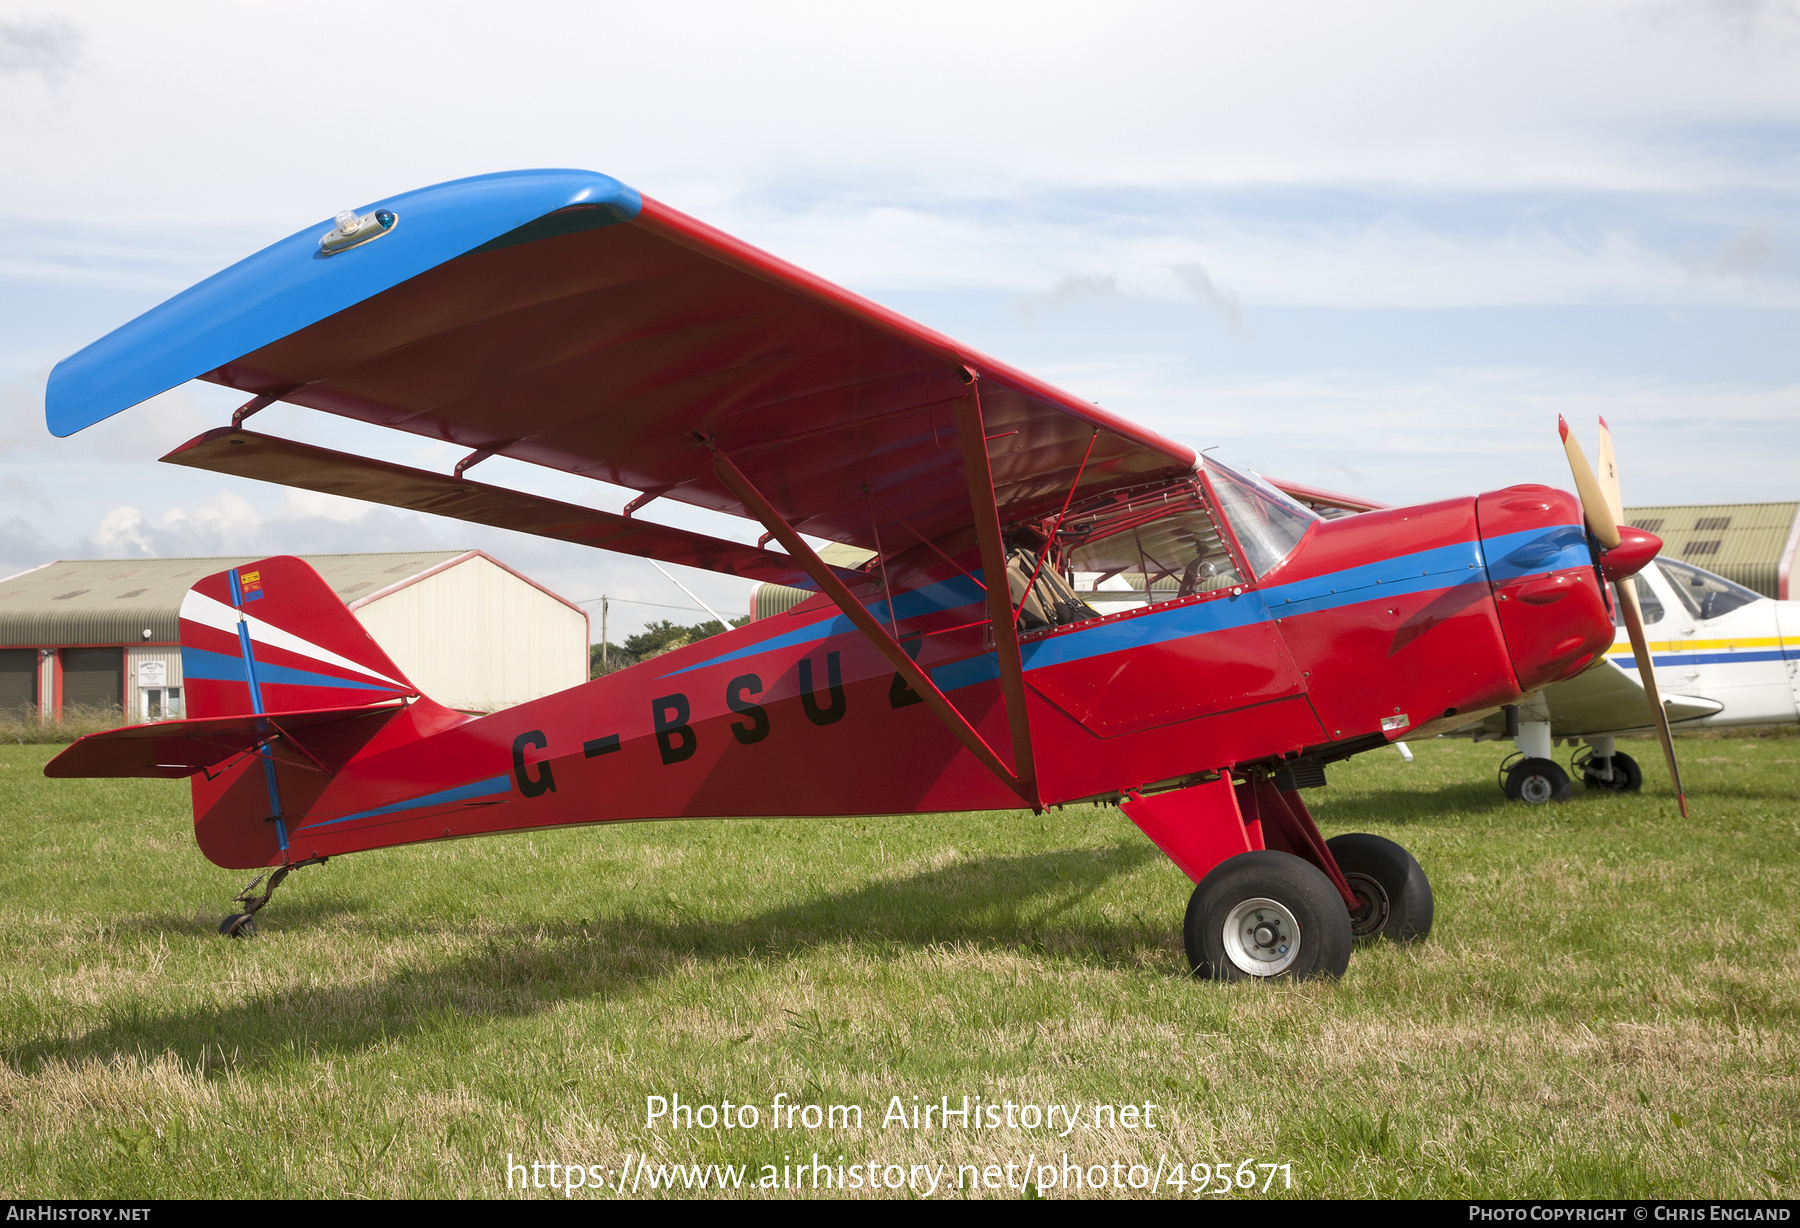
(18, 679)
(93, 678)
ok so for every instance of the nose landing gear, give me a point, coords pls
(1602, 767)
(1535, 781)
(1532, 777)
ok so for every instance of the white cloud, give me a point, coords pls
(227, 523)
(1409, 438)
(122, 532)
(48, 48)
(1069, 290)
(701, 102)
(1743, 26)
(303, 503)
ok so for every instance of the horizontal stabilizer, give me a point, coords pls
(269, 459)
(173, 749)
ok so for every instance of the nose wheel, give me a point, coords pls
(1535, 781)
(1617, 772)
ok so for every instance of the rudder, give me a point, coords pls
(271, 636)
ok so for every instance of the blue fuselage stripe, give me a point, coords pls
(1533, 551)
(933, 598)
(482, 788)
(1529, 552)
(1421, 572)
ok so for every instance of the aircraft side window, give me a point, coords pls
(1704, 594)
(1268, 523)
(1150, 547)
(1648, 602)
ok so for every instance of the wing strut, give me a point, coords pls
(980, 475)
(828, 582)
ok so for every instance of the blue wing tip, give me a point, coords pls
(206, 326)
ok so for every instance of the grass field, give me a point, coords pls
(1607, 1005)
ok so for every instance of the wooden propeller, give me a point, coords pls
(1604, 510)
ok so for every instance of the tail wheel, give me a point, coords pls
(1627, 776)
(1266, 915)
(238, 925)
(1536, 781)
(1396, 895)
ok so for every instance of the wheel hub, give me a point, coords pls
(1372, 917)
(1535, 789)
(1262, 937)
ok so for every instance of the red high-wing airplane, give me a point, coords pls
(559, 317)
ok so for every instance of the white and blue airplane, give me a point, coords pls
(1725, 657)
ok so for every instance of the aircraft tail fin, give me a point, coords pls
(271, 637)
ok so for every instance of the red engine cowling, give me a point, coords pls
(1552, 611)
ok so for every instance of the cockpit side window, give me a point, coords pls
(1704, 594)
(1146, 547)
(1268, 524)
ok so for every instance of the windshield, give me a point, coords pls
(1268, 523)
(1704, 594)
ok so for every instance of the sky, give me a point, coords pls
(1374, 247)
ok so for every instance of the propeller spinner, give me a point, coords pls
(1624, 551)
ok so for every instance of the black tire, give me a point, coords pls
(1397, 895)
(1628, 777)
(1305, 926)
(238, 925)
(1536, 781)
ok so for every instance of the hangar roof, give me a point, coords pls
(768, 600)
(114, 601)
(1751, 543)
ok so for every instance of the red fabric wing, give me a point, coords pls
(613, 352)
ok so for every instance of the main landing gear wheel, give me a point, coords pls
(1395, 894)
(1264, 915)
(1536, 781)
(1627, 776)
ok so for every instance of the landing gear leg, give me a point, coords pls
(1604, 767)
(243, 924)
